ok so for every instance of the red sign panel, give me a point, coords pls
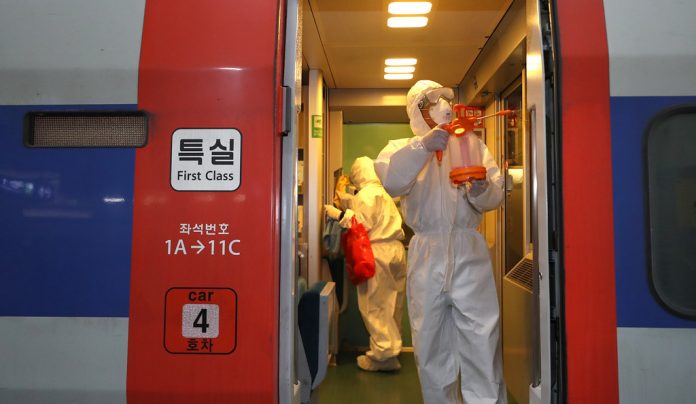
(206, 209)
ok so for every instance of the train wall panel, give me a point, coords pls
(636, 306)
(63, 360)
(67, 215)
(70, 51)
(80, 268)
(206, 68)
(651, 47)
(656, 365)
(588, 250)
(651, 59)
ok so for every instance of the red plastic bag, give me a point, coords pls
(360, 263)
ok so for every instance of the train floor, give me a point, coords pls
(345, 383)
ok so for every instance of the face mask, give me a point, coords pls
(441, 112)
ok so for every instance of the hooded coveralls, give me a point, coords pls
(452, 299)
(380, 298)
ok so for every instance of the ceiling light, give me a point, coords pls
(401, 61)
(402, 76)
(402, 7)
(407, 22)
(399, 69)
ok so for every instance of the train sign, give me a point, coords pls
(200, 321)
(206, 159)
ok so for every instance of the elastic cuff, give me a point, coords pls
(416, 143)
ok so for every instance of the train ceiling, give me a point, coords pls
(349, 40)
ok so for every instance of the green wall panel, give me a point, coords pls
(367, 140)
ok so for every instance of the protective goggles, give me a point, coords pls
(433, 96)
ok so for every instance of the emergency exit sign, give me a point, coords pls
(200, 321)
(206, 159)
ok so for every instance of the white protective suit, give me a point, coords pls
(452, 300)
(380, 298)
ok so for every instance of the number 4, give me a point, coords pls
(201, 320)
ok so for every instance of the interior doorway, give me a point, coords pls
(343, 52)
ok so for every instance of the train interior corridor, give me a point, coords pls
(479, 50)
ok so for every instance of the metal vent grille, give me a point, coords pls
(521, 273)
(86, 129)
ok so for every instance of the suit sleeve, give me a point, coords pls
(399, 163)
(367, 210)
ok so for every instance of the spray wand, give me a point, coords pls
(463, 124)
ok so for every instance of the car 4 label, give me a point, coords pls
(200, 321)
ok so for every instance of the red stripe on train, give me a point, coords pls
(207, 64)
(590, 295)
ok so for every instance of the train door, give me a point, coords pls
(289, 349)
(530, 293)
(517, 266)
(539, 112)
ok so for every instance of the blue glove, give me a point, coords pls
(436, 139)
(477, 187)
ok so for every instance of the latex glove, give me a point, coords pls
(436, 139)
(477, 187)
(332, 211)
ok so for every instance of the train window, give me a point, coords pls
(671, 171)
(86, 129)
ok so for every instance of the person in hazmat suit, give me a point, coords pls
(452, 299)
(380, 298)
